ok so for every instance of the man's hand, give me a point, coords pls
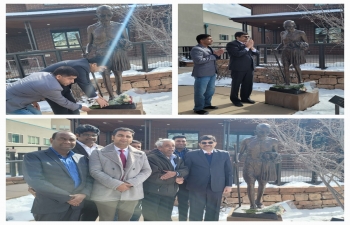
(32, 191)
(76, 199)
(102, 102)
(36, 105)
(124, 187)
(85, 109)
(179, 180)
(227, 189)
(219, 52)
(249, 44)
(168, 174)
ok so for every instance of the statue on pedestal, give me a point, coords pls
(101, 39)
(293, 44)
(260, 153)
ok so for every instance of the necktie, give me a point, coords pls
(208, 153)
(122, 157)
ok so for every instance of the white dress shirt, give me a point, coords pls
(87, 148)
(126, 151)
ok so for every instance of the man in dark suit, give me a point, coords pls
(182, 194)
(242, 68)
(86, 143)
(210, 175)
(60, 178)
(83, 67)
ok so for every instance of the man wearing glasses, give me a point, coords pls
(86, 143)
(210, 175)
(242, 68)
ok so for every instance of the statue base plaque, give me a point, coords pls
(298, 102)
(128, 110)
(238, 214)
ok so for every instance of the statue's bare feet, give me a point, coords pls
(259, 205)
(253, 207)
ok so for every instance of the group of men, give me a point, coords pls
(76, 179)
(54, 85)
(241, 65)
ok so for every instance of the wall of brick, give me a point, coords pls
(15, 8)
(324, 79)
(303, 197)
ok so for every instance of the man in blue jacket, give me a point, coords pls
(204, 73)
(210, 175)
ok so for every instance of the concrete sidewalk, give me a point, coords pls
(16, 190)
(221, 99)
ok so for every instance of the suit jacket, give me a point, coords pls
(82, 66)
(159, 162)
(204, 61)
(107, 169)
(47, 175)
(33, 88)
(219, 171)
(240, 58)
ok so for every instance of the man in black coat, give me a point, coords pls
(242, 68)
(60, 179)
(182, 194)
(161, 187)
(210, 175)
(86, 143)
(83, 67)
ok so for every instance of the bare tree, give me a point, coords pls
(318, 144)
(150, 23)
(329, 17)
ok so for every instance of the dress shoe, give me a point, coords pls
(238, 104)
(201, 112)
(211, 107)
(248, 101)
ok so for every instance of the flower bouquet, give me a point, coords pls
(123, 101)
(291, 89)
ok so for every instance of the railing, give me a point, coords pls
(318, 55)
(14, 164)
(144, 56)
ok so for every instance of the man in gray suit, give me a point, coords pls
(60, 179)
(22, 96)
(119, 171)
(210, 175)
(204, 73)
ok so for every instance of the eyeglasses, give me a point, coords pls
(209, 142)
(246, 36)
(89, 135)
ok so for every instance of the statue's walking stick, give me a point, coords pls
(278, 62)
(237, 175)
(93, 75)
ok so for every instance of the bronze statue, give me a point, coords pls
(100, 39)
(293, 44)
(260, 159)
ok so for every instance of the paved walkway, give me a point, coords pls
(221, 99)
(16, 190)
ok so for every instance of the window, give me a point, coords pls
(15, 138)
(65, 39)
(66, 127)
(61, 127)
(54, 127)
(223, 37)
(191, 138)
(33, 140)
(330, 35)
(236, 139)
(47, 141)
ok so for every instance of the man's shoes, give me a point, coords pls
(201, 112)
(211, 107)
(248, 101)
(238, 104)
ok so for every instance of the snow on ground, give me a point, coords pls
(324, 107)
(18, 209)
(153, 103)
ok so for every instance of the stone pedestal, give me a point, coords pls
(237, 214)
(137, 111)
(292, 101)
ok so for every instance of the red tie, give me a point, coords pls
(122, 157)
